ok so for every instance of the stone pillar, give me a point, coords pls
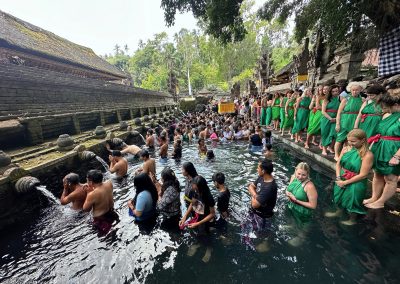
(102, 119)
(118, 115)
(77, 125)
(34, 131)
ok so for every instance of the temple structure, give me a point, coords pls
(51, 86)
(321, 64)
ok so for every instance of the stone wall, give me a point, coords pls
(43, 104)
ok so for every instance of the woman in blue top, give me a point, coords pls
(143, 205)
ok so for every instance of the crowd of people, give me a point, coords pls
(362, 130)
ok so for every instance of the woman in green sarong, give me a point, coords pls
(302, 197)
(314, 121)
(282, 105)
(289, 113)
(352, 170)
(268, 115)
(386, 149)
(301, 112)
(329, 110)
(347, 115)
(264, 106)
(370, 113)
(276, 110)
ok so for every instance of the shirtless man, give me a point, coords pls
(126, 149)
(100, 201)
(203, 133)
(163, 148)
(150, 139)
(118, 164)
(73, 192)
(149, 165)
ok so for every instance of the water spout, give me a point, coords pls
(105, 165)
(48, 195)
(143, 140)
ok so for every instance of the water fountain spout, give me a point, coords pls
(105, 165)
(48, 194)
(26, 184)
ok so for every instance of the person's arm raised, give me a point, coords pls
(89, 202)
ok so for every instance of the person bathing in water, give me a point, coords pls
(149, 164)
(100, 201)
(74, 192)
(163, 148)
(118, 164)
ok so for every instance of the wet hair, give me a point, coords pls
(303, 166)
(202, 186)
(72, 178)
(190, 169)
(95, 176)
(210, 155)
(360, 135)
(388, 100)
(150, 131)
(143, 182)
(219, 178)
(116, 153)
(268, 146)
(144, 153)
(268, 134)
(201, 140)
(267, 166)
(375, 89)
(169, 179)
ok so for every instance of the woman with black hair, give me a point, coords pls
(189, 172)
(143, 205)
(169, 203)
(203, 206)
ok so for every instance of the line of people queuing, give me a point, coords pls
(326, 118)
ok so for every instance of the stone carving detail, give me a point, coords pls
(26, 184)
(65, 142)
(100, 132)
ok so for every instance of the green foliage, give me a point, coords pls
(211, 64)
(221, 18)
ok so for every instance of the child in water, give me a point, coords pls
(269, 154)
(210, 156)
(202, 148)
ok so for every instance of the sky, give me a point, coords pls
(99, 24)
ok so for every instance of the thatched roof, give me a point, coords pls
(284, 69)
(23, 36)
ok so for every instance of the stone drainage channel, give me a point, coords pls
(22, 171)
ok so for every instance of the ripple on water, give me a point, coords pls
(62, 247)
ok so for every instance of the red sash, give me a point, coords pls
(303, 107)
(365, 115)
(351, 112)
(377, 137)
(332, 110)
(348, 174)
